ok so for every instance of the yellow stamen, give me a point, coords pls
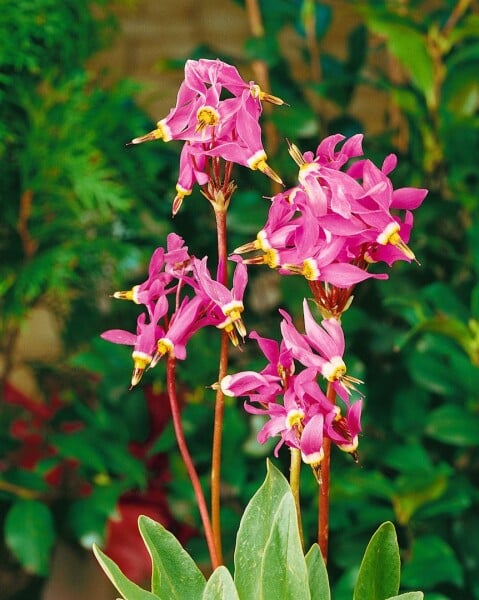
(234, 320)
(294, 418)
(162, 132)
(140, 362)
(249, 247)
(271, 258)
(258, 162)
(128, 294)
(164, 346)
(314, 461)
(390, 235)
(334, 369)
(207, 116)
(257, 92)
(310, 269)
(228, 326)
(178, 199)
(296, 154)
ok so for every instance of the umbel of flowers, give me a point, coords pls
(343, 216)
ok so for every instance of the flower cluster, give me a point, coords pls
(217, 116)
(298, 410)
(172, 316)
(336, 221)
(343, 215)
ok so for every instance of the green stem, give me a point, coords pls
(323, 498)
(185, 454)
(220, 215)
(294, 481)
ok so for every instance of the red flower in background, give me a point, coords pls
(31, 427)
(124, 544)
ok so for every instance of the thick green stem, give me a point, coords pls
(294, 481)
(185, 454)
(323, 498)
(220, 215)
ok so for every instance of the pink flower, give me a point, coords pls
(177, 259)
(192, 170)
(183, 324)
(344, 431)
(280, 359)
(144, 342)
(229, 302)
(151, 289)
(212, 127)
(327, 341)
(337, 221)
(251, 383)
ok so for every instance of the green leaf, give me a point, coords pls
(432, 562)
(87, 516)
(454, 425)
(378, 576)
(417, 489)
(404, 42)
(318, 575)
(30, 535)
(431, 372)
(408, 596)
(269, 561)
(408, 458)
(468, 28)
(79, 445)
(174, 573)
(220, 586)
(461, 90)
(128, 589)
(475, 304)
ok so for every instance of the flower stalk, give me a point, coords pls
(294, 482)
(323, 495)
(186, 456)
(220, 216)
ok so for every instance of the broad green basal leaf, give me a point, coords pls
(128, 589)
(269, 561)
(220, 586)
(379, 573)
(318, 575)
(408, 596)
(175, 575)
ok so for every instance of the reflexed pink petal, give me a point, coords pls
(344, 275)
(407, 197)
(240, 384)
(389, 164)
(240, 280)
(119, 336)
(312, 440)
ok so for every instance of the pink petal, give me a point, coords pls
(344, 275)
(119, 336)
(408, 197)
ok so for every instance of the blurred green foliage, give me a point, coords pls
(81, 215)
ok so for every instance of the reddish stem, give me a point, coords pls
(323, 498)
(185, 454)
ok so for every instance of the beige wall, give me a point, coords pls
(155, 30)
